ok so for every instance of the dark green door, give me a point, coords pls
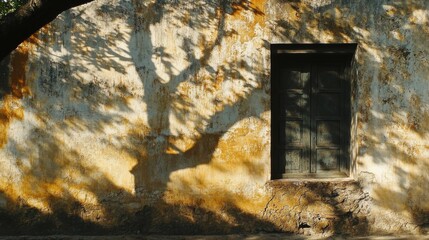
(313, 119)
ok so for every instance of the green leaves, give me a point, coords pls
(7, 6)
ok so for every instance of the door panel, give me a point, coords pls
(293, 158)
(328, 159)
(293, 132)
(297, 78)
(328, 133)
(327, 118)
(329, 78)
(312, 121)
(328, 104)
(296, 119)
(294, 104)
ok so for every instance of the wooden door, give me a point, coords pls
(328, 119)
(313, 126)
(295, 119)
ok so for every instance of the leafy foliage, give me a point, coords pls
(7, 6)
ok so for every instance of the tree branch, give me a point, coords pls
(19, 25)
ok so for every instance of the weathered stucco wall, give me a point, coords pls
(143, 116)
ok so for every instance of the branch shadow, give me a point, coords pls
(64, 190)
(193, 100)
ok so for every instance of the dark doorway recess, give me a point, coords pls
(310, 110)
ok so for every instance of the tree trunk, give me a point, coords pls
(19, 25)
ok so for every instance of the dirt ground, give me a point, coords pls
(208, 237)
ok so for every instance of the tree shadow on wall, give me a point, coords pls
(65, 191)
(377, 104)
(61, 191)
(165, 98)
(176, 99)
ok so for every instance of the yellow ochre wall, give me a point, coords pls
(129, 116)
